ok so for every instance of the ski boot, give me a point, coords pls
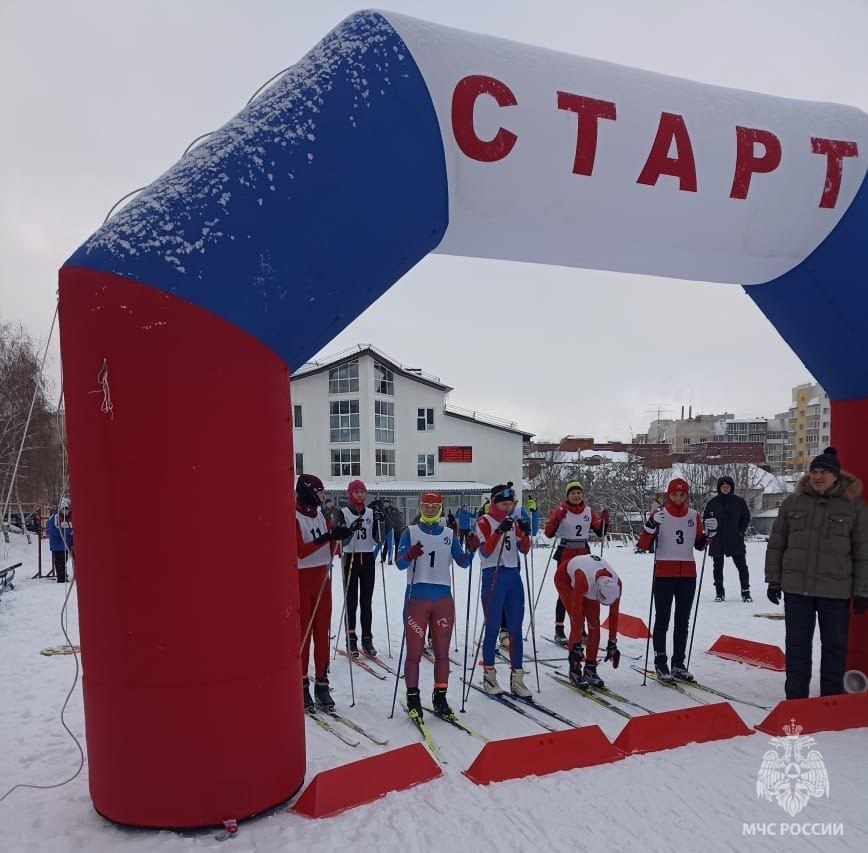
(503, 640)
(305, 692)
(441, 706)
(746, 597)
(662, 670)
(721, 595)
(414, 703)
(322, 695)
(353, 644)
(489, 681)
(590, 677)
(368, 646)
(575, 660)
(680, 672)
(517, 686)
(560, 636)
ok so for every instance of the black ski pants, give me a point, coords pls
(58, 561)
(801, 612)
(740, 564)
(667, 591)
(361, 568)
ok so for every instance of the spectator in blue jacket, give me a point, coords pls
(59, 530)
(466, 523)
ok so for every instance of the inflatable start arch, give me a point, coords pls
(391, 139)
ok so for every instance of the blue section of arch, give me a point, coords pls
(820, 306)
(301, 211)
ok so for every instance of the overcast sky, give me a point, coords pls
(102, 96)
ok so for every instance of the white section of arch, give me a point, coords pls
(529, 206)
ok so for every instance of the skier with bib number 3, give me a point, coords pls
(674, 530)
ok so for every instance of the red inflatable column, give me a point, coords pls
(180, 457)
(849, 429)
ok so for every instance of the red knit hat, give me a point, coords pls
(678, 485)
(430, 498)
(354, 485)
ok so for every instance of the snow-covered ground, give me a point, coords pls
(699, 795)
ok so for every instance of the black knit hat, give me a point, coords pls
(503, 492)
(827, 460)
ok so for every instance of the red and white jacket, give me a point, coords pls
(490, 542)
(310, 522)
(674, 541)
(572, 523)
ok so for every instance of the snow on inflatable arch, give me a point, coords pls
(188, 310)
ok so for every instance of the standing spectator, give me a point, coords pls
(818, 557)
(733, 517)
(466, 522)
(59, 530)
(533, 508)
(332, 513)
(394, 523)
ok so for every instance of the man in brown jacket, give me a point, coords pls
(818, 556)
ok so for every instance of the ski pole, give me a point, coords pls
(602, 539)
(696, 609)
(403, 637)
(466, 688)
(385, 598)
(545, 574)
(532, 628)
(454, 623)
(467, 631)
(348, 568)
(650, 607)
(347, 636)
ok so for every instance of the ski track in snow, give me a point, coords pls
(699, 795)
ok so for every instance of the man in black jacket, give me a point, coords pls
(733, 517)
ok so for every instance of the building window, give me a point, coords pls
(385, 460)
(384, 421)
(299, 464)
(425, 465)
(344, 379)
(346, 462)
(344, 421)
(425, 420)
(296, 416)
(384, 380)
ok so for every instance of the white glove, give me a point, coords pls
(711, 525)
(659, 516)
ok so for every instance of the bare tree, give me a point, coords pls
(38, 468)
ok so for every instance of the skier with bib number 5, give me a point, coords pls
(502, 539)
(674, 531)
(426, 551)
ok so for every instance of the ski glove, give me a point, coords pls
(774, 593)
(710, 525)
(613, 654)
(860, 603)
(358, 524)
(472, 542)
(415, 551)
(505, 526)
(524, 527)
(379, 517)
